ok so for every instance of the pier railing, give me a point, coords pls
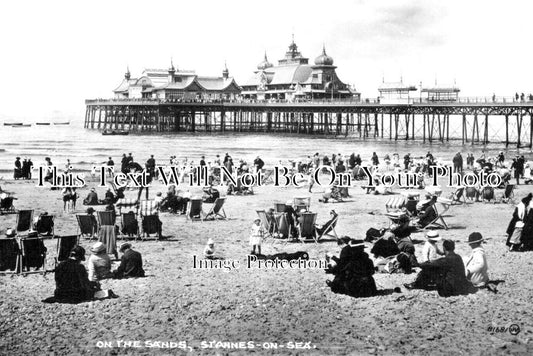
(500, 100)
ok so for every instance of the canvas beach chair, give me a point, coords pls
(396, 203)
(302, 203)
(458, 197)
(9, 256)
(306, 229)
(329, 229)
(24, 221)
(45, 225)
(129, 225)
(195, 210)
(150, 223)
(279, 207)
(105, 218)
(283, 227)
(86, 226)
(64, 246)
(6, 205)
(436, 221)
(269, 226)
(127, 204)
(33, 254)
(217, 210)
(508, 194)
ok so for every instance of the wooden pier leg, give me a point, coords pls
(463, 130)
(382, 125)
(407, 117)
(447, 127)
(413, 127)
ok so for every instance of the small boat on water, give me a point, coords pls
(12, 123)
(62, 123)
(114, 132)
(42, 123)
(21, 125)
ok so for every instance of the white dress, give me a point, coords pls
(256, 235)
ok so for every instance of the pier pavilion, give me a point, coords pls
(294, 79)
(178, 85)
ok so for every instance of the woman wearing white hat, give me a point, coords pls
(431, 251)
(99, 264)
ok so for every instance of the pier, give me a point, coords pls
(469, 120)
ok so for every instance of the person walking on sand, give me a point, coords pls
(256, 236)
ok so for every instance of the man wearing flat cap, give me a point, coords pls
(131, 264)
(476, 264)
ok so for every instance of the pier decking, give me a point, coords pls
(475, 120)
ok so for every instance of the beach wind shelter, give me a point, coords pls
(395, 93)
(442, 94)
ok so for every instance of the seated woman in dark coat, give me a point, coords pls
(426, 212)
(353, 272)
(72, 281)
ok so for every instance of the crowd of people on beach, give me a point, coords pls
(394, 252)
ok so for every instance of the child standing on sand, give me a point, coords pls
(256, 236)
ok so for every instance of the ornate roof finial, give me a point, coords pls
(225, 72)
(127, 75)
(324, 48)
(172, 65)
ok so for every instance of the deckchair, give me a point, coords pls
(437, 221)
(131, 204)
(329, 229)
(508, 194)
(217, 210)
(45, 225)
(458, 197)
(86, 225)
(306, 229)
(487, 193)
(64, 246)
(33, 254)
(150, 223)
(194, 209)
(267, 224)
(279, 207)
(129, 225)
(396, 203)
(302, 203)
(9, 256)
(283, 226)
(105, 218)
(6, 206)
(24, 220)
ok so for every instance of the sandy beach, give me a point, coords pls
(196, 309)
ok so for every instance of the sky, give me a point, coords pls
(56, 54)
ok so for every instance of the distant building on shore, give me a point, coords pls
(177, 85)
(294, 79)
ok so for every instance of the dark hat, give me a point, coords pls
(78, 253)
(474, 238)
(90, 210)
(124, 247)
